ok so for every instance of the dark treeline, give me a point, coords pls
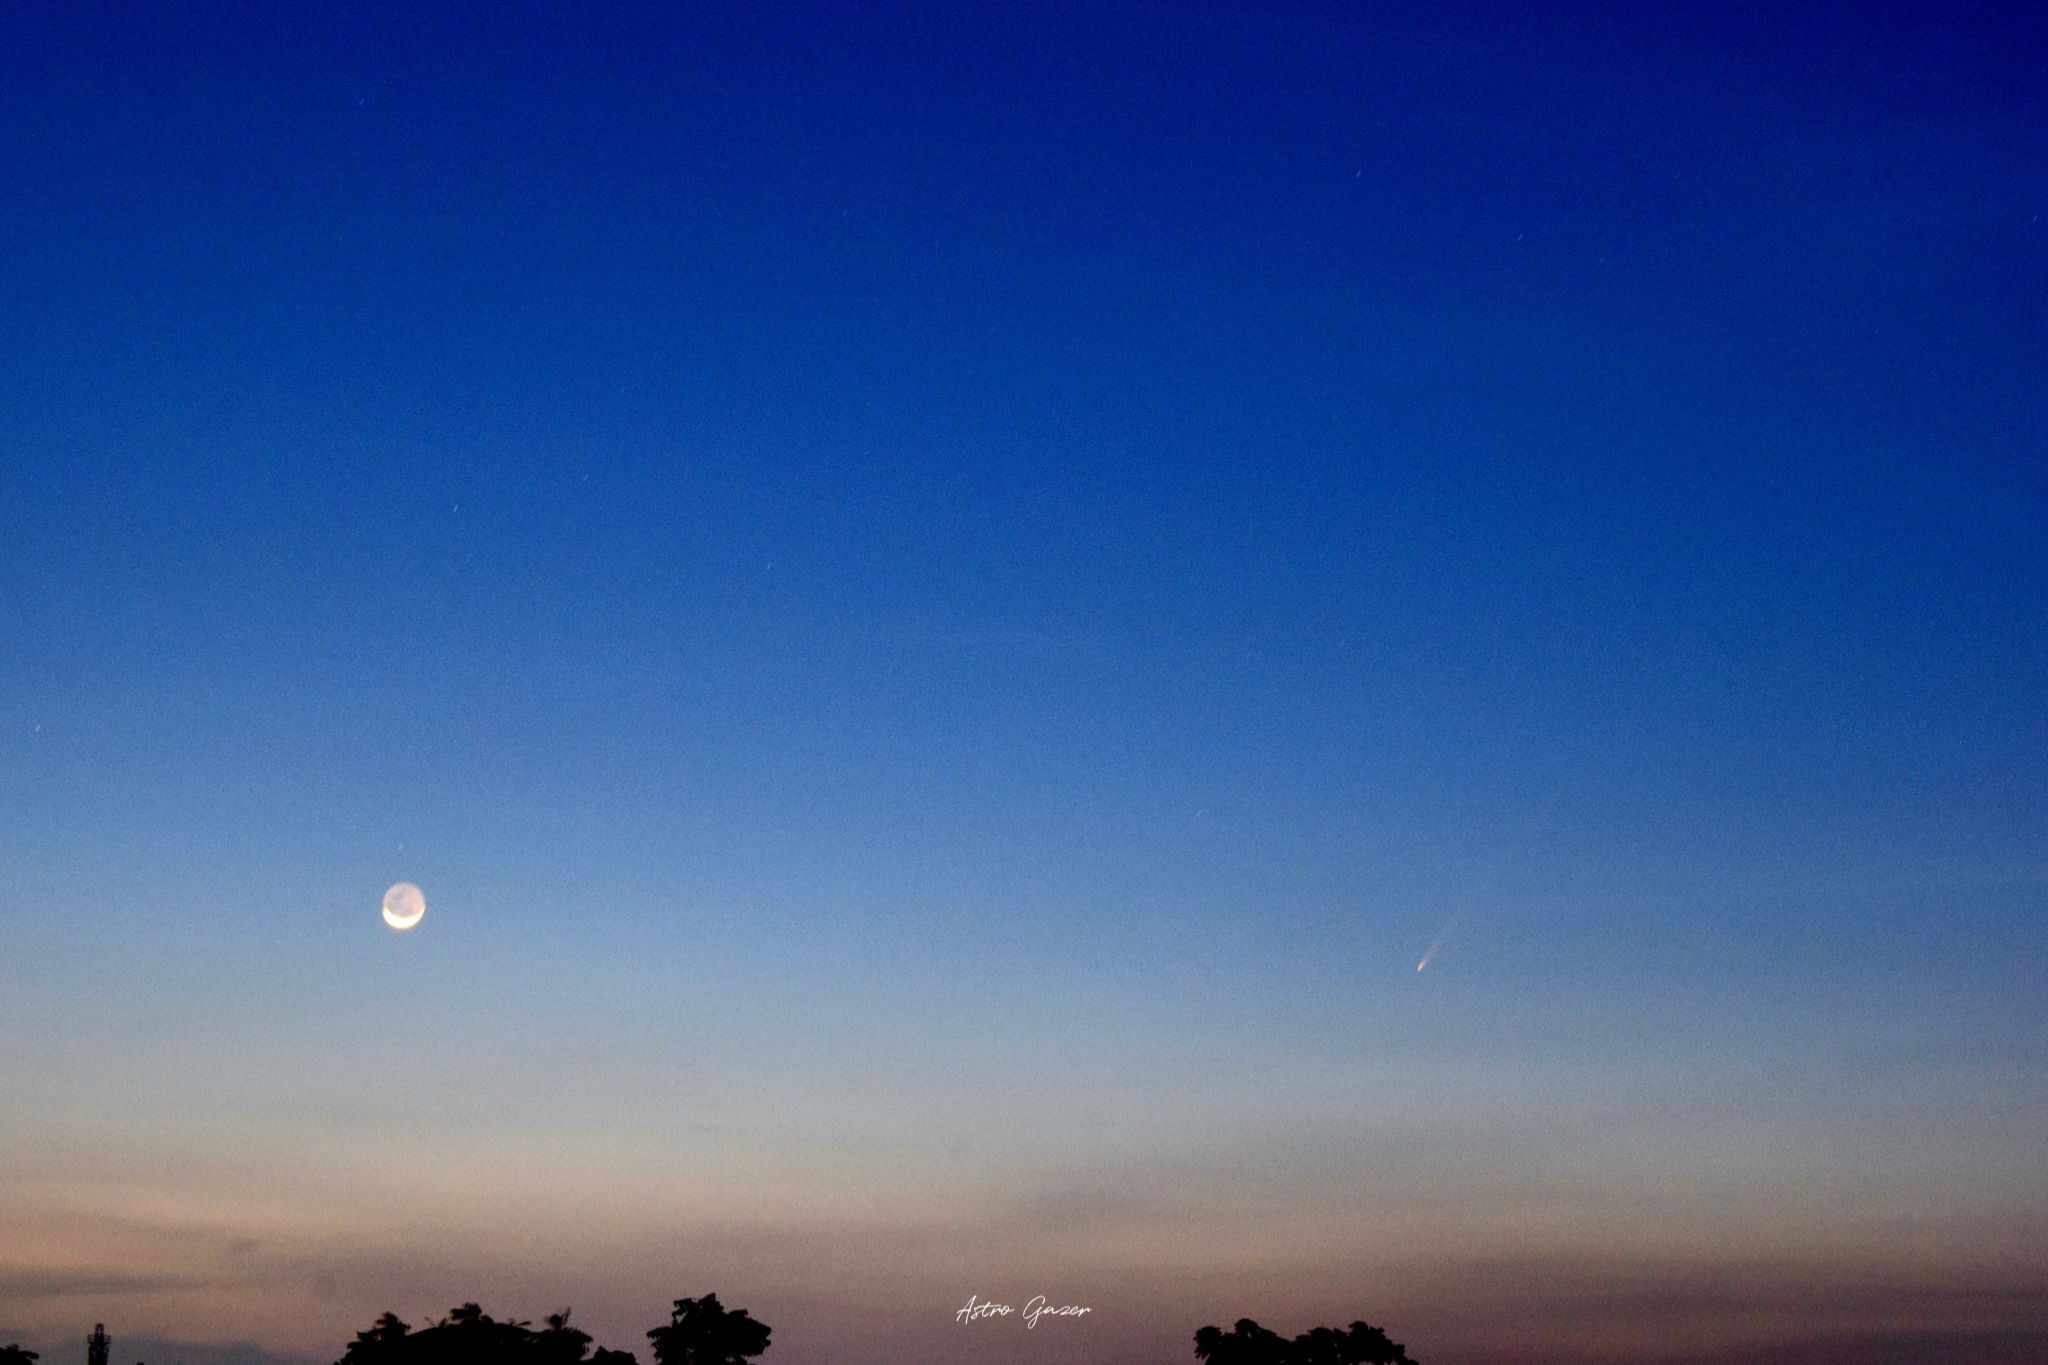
(1250, 1344)
(704, 1332)
(699, 1332)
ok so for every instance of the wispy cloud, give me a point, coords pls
(174, 1351)
(2015, 1346)
(19, 1285)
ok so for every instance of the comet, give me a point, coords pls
(1431, 952)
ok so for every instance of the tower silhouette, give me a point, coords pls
(96, 1345)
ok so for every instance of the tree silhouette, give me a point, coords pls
(379, 1345)
(1246, 1344)
(16, 1354)
(701, 1332)
(1250, 1344)
(386, 1328)
(560, 1344)
(467, 1336)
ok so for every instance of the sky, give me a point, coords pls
(945, 601)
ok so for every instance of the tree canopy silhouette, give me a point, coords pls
(1250, 1344)
(15, 1354)
(560, 1344)
(699, 1332)
(470, 1336)
(702, 1332)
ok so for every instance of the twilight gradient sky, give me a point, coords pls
(946, 602)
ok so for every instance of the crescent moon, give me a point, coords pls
(403, 906)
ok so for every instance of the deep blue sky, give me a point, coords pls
(850, 548)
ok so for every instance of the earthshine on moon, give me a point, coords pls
(403, 906)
